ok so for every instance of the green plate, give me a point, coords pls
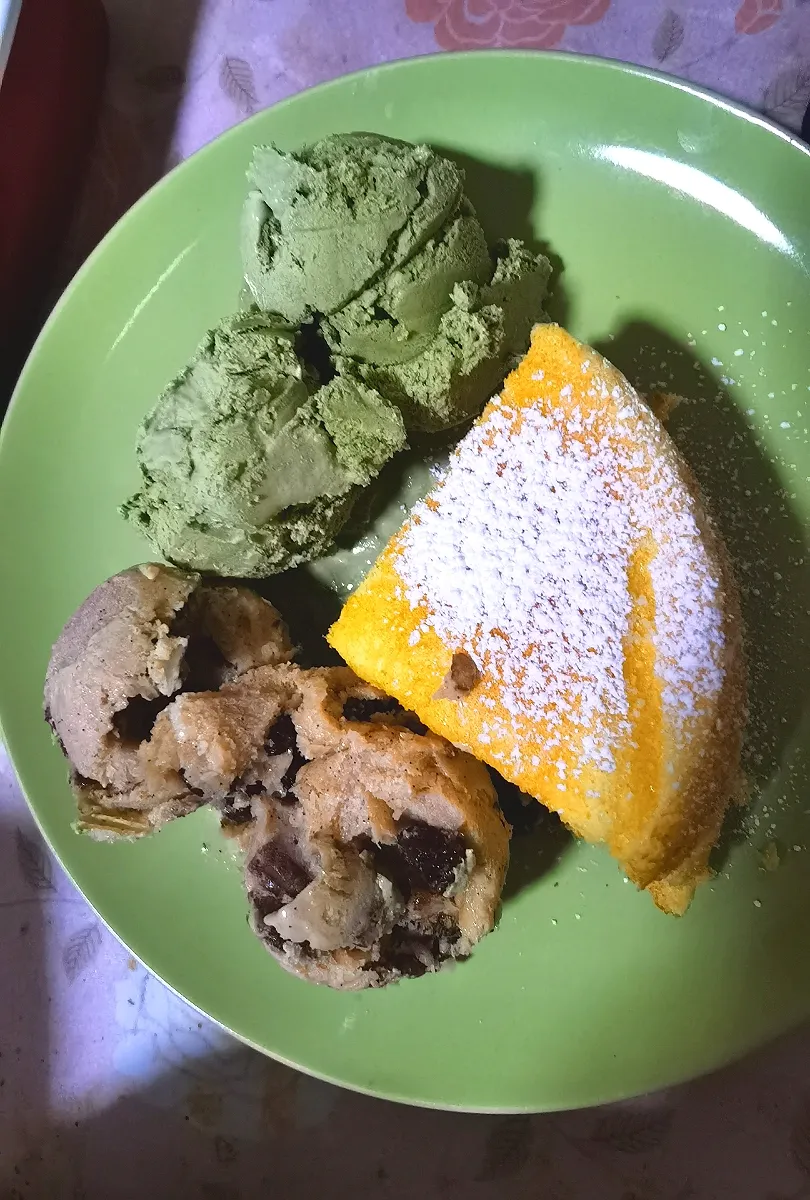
(681, 224)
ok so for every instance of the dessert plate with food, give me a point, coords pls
(406, 584)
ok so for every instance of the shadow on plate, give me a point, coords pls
(393, 484)
(506, 201)
(503, 197)
(765, 537)
(539, 838)
(309, 607)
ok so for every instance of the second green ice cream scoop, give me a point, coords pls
(248, 467)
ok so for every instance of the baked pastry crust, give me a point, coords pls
(140, 640)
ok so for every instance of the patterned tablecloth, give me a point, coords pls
(109, 1085)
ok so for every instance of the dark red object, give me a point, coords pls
(49, 101)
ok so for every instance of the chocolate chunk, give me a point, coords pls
(232, 812)
(133, 723)
(282, 739)
(361, 708)
(264, 908)
(407, 964)
(204, 664)
(282, 878)
(397, 953)
(423, 858)
(435, 924)
(281, 736)
(411, 953)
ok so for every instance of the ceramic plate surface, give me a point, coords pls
(679, 225)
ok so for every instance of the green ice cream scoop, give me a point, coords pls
(482, 331)
(324, 222)
(397, 318)
(248, 468)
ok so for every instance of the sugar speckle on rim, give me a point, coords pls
(520, 557)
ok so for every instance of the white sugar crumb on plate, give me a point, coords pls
(521, 556)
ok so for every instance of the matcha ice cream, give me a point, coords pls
(323, 223)
(481, 330)
(248, 466)
(373, 241)
(381, 308)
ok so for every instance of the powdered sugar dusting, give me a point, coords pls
(520, 557)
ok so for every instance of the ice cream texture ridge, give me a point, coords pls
(379, 310)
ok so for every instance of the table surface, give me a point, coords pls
(110, 1086)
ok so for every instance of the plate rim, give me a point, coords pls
(654, 76)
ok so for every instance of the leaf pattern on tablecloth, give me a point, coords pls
(34, 862)
(237, 82)
(669, 35)
(80, 950)
(787, 95)
(507, 1148)
(631, 1131)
